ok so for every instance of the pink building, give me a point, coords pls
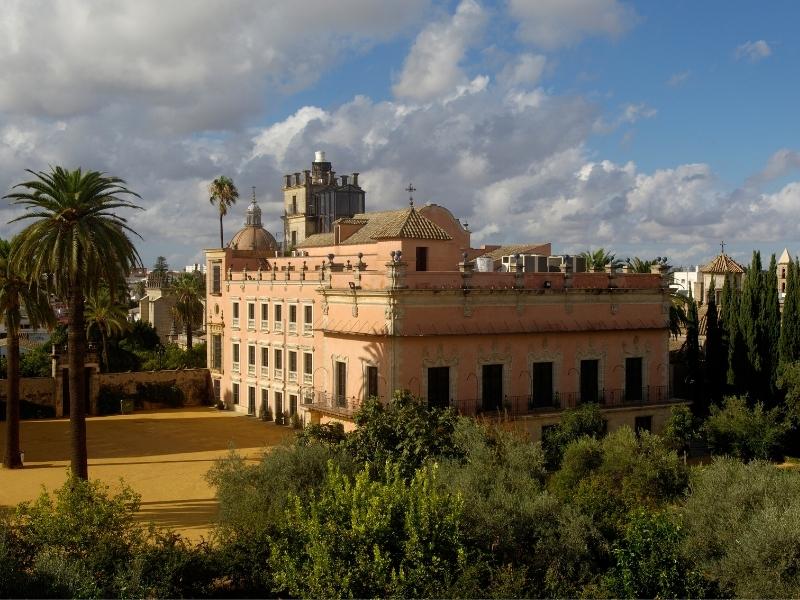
(395, 300)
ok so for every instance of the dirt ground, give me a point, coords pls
(163, 455)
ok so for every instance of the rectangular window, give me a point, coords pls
(235, 314)
(278, 408)
(264, 315)
(308, 368)
(236, 393)
(217, 390)
(542, 384)
(590, 381)
(235, 355)
(251, 360)
(278, 317)
(308, 318)
(292, 365)
(216, 352)
(293, 318)
(341, 384)
(277, 364)
(438, 386)
(492, 397)
(264, 404)
(251, 400)
(265, 362)
(216, 286)
(422, 259)
(292, 404)
(251, 315)
(633, 379)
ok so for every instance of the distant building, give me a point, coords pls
(316, 198)
(378, 301)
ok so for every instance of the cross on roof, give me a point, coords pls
(722, 245)
(411, 189)
(254, 193)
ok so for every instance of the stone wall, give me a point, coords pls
(37, 390)
(195, 383)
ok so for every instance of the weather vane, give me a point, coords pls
(411, 189)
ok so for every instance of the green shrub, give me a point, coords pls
(681, 428)
(746, 433)
(363, 538)
(167, 394)
(585, 420)
(328, 434)
(648, 562)
(743, 527)
(108, 399)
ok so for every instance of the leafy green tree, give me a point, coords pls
(789, 344)
(189, 294)
(105, 316)
(224, 194)
(405, 432)
(770, 331)
(363, 538)
(597, 260)
(160, 267)
(17, 291)
(716, 357)
(575, 423)
(742, 525)
(737, 430)
(77, 241)
(648, 562)
(681, 428)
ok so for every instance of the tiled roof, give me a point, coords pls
(511, 250)
(317, 239)
(723, 264)
(785, 258)
(406, 223)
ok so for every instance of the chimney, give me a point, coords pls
(287, 181)
(297, 178)
(344, 180)
(319, 156)
(355, 179)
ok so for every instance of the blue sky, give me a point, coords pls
(647, 128)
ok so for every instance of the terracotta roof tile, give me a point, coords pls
(723, 264)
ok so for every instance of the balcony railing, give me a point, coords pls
(292, 327)
(235, 322)
(236, 367)
(265, 371)
(308, 328)
(292, 375)
(336, 404)
(278, 326)
(251, 324)
(251, 369)
(278, 374)
(308, 378)
(264, 325)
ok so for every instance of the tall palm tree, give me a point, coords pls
(106, 316)
(189, 291)
(223, 194)
(596, 261)
(78, 242)
(17, 292)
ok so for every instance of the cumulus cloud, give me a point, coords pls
(525, 71)
(753, 51)
(433, 67)
(551, 24)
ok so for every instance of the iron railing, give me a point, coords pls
(336, 403)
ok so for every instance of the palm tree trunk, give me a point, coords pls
(12, 458)
(76, 349)
(221, 239)
(189, 335)
(105, 348)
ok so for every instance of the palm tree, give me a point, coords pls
(637, 265)
(188, 290)
(596, 261)
(106, 316)
(17, 292)
(78, 242)
(223, 194)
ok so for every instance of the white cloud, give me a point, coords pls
(433, 66)
(551, 24)
(525, 71)
(678, 79)
(753, 51)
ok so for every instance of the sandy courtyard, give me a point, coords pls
(163, 455)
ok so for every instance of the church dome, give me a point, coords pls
(253, 236)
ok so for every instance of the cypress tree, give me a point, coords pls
(750, 322)
(770, 331)
(693, 356)
(716, 359)
(789, 346)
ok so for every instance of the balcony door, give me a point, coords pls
(439, 387)
(590, 381)
(492, 397)
(542, 385)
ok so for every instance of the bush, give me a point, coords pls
(328, 434)
(745, 433)
(367, 538)
(648, 562)
(681, 428)
(405, 432)
(585, 420)
(743, 527)
(109, 398)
